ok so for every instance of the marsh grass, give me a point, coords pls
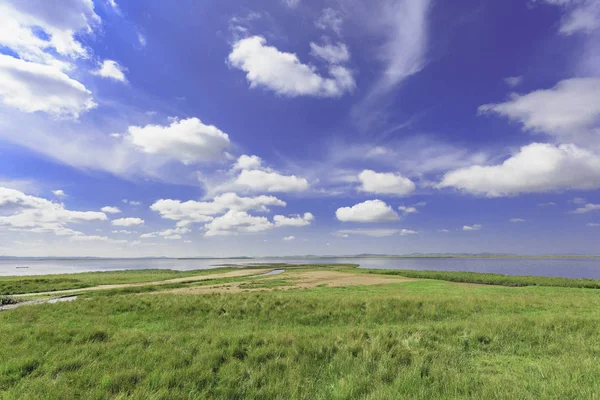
(421, 339)
(490, 279)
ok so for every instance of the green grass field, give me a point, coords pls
(421, 339)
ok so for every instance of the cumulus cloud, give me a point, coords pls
(59, 193)
(294, 220)
(19, 211)
(385, 183)
(284, 73)
(538, 167)
(247, 162)
(112, 70)
(173, 237)
(187, 140)
(235, 222)
(288, 238)
(517, 220)
(252, 175)
(271, 181)
(586, 209)
(375, 232)
(128, 222)
(32, 87)
(203, 211)
(475, 227)
(110, 210)
(368, 211)
(569, 110)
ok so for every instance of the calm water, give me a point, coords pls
(565, 267)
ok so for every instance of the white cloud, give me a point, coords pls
(95, 238)
(124, 232)
(332, 53)
(112, 70)
(375, 232)
(443, 230)
(580, 15)
(173, 237)
(247, 162)
(538, 167)
(593, 224)
(578, 200)
(197, 211)
(368, 211)
(513, 81)
(385, 183)
(408, 209)
(330, 19)
(142, 39)
(32, 87)
(405, 26)
(187, 140)
(148, 235)
(517, 220)
(475, 227)
(586, 209)
(132, 202)
(110, 210)
(549, 204)
(271, 181)
(288, 238)
(60, 20)
(291, 3)
(569, 110)
(175, 231)
(294, 220)
(59, 193)
(128, 222)
(283, 73)
(113, 4)
(234, 222)
(19, 211)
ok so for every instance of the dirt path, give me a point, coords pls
(233, 274)
(300, 280)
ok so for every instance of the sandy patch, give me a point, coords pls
(300, 280)
(233, 274)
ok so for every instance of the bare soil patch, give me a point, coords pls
(299, 280)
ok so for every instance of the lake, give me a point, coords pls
(563, 267)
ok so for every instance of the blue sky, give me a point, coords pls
(287, 127)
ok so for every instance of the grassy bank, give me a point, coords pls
(491, 279)
(420, 339)
(43, 283)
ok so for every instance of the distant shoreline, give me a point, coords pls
(311, 257)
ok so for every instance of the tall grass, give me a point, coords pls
(421, 339)
(491, 279)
